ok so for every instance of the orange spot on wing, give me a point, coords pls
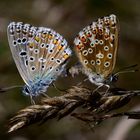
(79, 47)
(55, 41)
(89, 35)
(31, 45)
(65, 56)
(43, 35)
(37, 38)
(60, 47)
(83, 39)
(50, 36)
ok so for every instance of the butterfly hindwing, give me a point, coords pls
(96, 45)
(52, 52)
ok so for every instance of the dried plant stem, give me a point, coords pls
(93, 104)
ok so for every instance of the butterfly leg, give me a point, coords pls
(58, 89)
(45, 95)
(32, 100)
(106, 92)
(82, 82)
(97, 88)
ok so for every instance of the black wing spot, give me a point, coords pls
(23, 54)
(19, 41)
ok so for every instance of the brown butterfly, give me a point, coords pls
(96, 47)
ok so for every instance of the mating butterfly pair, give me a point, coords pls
(41, 54)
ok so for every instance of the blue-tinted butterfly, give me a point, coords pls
(96, 47)
(40, 55)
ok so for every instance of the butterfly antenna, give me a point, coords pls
(128, 67)
(9, 88)
(125, 71)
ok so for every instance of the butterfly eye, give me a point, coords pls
(26, 90)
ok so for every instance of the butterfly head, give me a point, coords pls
(113, 78)
(99, 79)
(26, 90)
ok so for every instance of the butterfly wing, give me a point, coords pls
(37, 52)
(52, 52)
(96, 45)
(19, 35)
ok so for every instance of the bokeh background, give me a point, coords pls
(68, 17)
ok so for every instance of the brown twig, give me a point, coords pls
(93, 104)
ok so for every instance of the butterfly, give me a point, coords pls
(40, 55)
(96, 48)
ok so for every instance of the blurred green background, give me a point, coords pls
(67, 17)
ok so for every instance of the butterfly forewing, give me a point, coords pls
(96, 45)
(38, 52)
